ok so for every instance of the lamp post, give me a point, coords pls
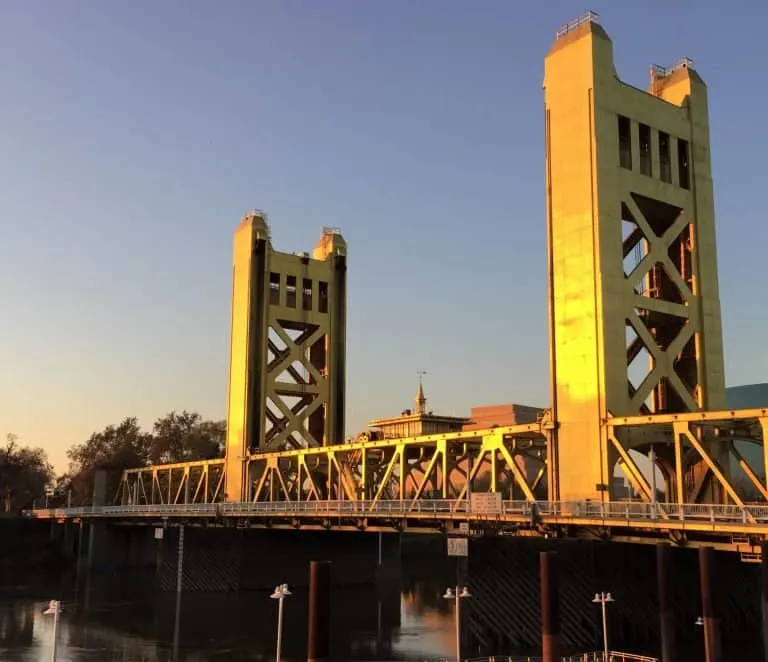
(603, 599)
(457, 595)
(54, 608)
(280, 593)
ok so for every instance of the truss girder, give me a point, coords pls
(183, 482)
(511, 460)
(695, 447)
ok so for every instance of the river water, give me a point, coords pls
(107, 621)
(118, 617)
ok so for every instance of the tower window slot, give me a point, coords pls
(665, 168)
(274, 289)
(290, 291)
(306, 293)
(625, 143)
(682, 163)
(644, 131)
(323, 295)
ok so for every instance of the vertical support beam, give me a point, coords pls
(550, 607)
(677, 431)
(100, 488)
(319, 629)
(666, 613)
(179, 584)
(709, 605)
(764, 596)
(764, 430)
(333, 248)
(246, 403)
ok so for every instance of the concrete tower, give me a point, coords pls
(634, 303)
(287, 348)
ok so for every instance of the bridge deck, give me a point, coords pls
(618, 520)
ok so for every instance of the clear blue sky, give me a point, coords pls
(134, 134)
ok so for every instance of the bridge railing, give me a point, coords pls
(627, 512)
(613, 656)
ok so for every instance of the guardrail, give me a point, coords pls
(613, 656)
(610, 512)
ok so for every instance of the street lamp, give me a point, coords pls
(280, 593)
(457, 594)
(603, 599)
(54, 608)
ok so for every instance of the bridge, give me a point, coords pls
(636, 361)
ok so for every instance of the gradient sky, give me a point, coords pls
(134, 134)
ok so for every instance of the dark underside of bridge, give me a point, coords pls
(503, 615)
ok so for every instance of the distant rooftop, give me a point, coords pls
(747, 396)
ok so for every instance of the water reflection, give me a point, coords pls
(106, 620)
(121, 616)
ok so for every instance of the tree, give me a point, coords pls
(113, 450)
(185, 437)
(25, 473)
(176, 437)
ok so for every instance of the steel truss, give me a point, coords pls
(513, 460)
(693, 452)
(185, 482)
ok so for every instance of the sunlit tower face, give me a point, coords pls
(634, 303)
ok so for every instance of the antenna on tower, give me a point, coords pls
(420, 374)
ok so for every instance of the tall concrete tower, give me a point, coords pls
(633, 287)
(287, 348)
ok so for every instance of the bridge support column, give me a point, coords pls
(709, 606)
(550, 607)
(318, 638)
(179, 586)
(666, 615)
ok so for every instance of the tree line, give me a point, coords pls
(27, 477)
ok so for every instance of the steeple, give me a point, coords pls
(421, 399)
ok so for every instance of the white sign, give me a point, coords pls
(158, 533)
(486, 503)
(458, 547)
(464, 527)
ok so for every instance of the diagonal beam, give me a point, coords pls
(682, 428)
(748, 470)
(632, 471)
(296, 351)
(682, 391)
(431, 466)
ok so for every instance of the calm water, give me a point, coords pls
(118, 617)
(368, 625)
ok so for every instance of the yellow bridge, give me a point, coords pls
(636, 358)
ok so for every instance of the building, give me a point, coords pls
(748, 396)
(416, 422)
(489, 416)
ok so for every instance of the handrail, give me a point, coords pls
(553, 511)
(613, 656)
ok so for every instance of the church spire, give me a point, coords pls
(421, 399)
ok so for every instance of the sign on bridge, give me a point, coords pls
(486, 503)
